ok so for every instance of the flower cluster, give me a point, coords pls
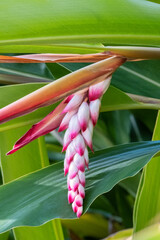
(81, 115)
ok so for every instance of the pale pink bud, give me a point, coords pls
(68, 183)
(66, 166)
(73, 103)
(70, 153)
(79, 144)
(74, 126)
(81, 176)
(79, 211)
(81, 191)
(83, 115)
(72, 170)
(79, 162)
(94, 110)
(74, 207)
(71, 196)
(74, 183)
(65, 122)
(88, 138)
(86, 158)
(66, 140)
(97, 90)
(78, 200)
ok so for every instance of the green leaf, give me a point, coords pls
(31, 158)
(122, 235)
(150, 233)
(35, 72)
(141, 78)
(93, 225)
(147, 208)
(43, 194)
(60, 22)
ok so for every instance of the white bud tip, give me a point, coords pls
(83, 115)
(73, 103)
(94, 110)
(79, 201)
(79, 211)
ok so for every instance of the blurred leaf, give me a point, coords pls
(30, 159)
(89, 225)
(150, 233)
(147, 208)
(122, 235)
(4, 236)
(43, 193)
(118, 125)
(77, 22)
(131, 184)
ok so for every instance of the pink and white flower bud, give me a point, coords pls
(86, 158)
(83, 115)
(79, 121)
(66, 140)
(65, 122)
(74, 183)
(71, 196)
(74, 127)
(66, 167)
(74, 103)
(81, 176)
(94, 110)
(69, 98)
(70, 152)
(88, 138)
(97, 90)
(79, 144)
(74, 207)
(73, 170)
(79, 211)
(79, 162)
(81, 191)
(78, 200)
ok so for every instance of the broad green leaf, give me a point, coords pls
(122, 235)
(43, 194)
(31, 158)
(59, 22)
(34, 71)
(147, 208)
(89, 225)
(141, 78)
(113, 99)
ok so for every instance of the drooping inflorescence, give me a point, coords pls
(81, 115)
